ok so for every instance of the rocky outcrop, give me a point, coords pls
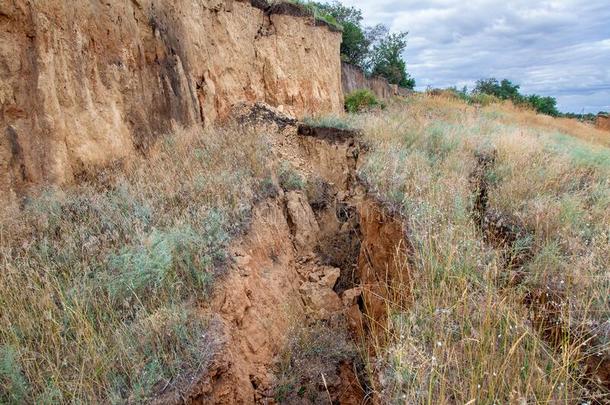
(353, 78)
(87, 83)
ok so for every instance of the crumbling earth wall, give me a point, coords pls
(84, 84)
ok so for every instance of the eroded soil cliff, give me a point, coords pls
(86, 84)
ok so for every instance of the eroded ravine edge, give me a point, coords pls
(547, 304)
(322, 256)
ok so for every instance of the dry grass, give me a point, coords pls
(467, 336)
(101, 282)
(311, 354)
(513, 114)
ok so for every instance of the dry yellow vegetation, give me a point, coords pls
(100, 282)
(515, 316)
(505, 291)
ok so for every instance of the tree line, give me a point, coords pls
(374, 49)
(491, 89)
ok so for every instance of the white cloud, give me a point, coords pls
(551, 47)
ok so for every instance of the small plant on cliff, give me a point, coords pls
(317, 12)
(290, 179)
(360, 100)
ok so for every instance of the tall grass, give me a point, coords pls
(468, 336)
(101, 284)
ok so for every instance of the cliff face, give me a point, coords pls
(86, 83)
(353, 78)
(603, 122)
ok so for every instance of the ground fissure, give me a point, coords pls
(307, 279)
(546, 302)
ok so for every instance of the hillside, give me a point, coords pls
(187, 215)
(460, 253)
(90, 84)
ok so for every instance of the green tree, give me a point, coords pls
(355, 45)
(387, 60)
(373, 49)
(507, 90)
(342, 13)
(544, 105)
(504, 90)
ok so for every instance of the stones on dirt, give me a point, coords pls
(351, 297)
(260, 113)
(320, 300)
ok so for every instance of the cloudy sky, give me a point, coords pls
(551, 47)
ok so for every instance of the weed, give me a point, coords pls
(312, 9)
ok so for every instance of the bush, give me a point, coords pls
(360, 100)
(329, 121)
(543, 105)
(484, 99)
(290, 179)
(13, 387)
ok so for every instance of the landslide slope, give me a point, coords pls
(445, 253)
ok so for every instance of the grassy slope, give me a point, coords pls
(100, 285)
(466, 335)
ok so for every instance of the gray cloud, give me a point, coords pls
(550, 47)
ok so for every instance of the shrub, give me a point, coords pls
(329, 121)
(290, 179)
(484, 99)
(13, 388)
(360, 100)
(175, 260)
(317, 12)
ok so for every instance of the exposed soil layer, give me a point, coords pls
(86, 84)
(328, 134)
